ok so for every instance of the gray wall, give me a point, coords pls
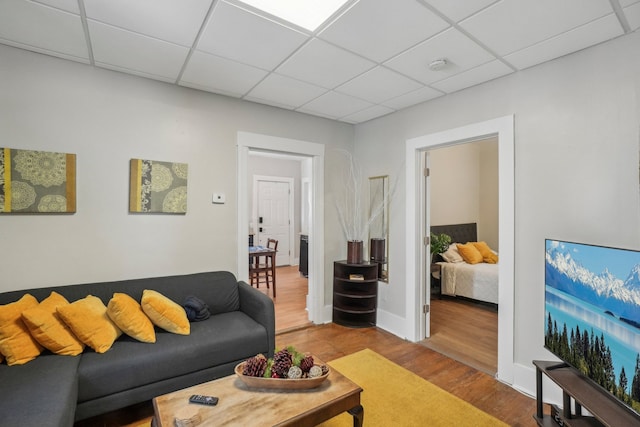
(106, 118)
(576, 166)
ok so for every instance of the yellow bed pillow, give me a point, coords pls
(165, 313)
(49, 330)
(16, 343)
(127, 314)
(469, 253)
(88, 320)
(487, 254)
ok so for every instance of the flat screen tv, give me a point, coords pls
(592, 314)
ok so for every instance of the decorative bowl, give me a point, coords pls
(281, 383)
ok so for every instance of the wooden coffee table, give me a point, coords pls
(241, 405)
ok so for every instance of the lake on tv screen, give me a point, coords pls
(596, 289)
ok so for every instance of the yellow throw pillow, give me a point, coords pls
(487, 254)
(88, 320)
(127, 314)
(16, 343)
(49, 330)
(469, 253)
(165, 313)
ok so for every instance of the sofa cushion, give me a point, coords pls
(88, 320)
(165, 313)
(127, 314)
(41, 393)
(16, 343)
(128, 364)
(49, 330)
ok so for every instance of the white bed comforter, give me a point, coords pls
(476, 281)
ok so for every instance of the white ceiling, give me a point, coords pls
(369, 59)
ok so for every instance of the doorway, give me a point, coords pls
(418, 294)
(464, 319)
(313, 167)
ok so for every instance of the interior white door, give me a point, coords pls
(273, 216)
(426, 262)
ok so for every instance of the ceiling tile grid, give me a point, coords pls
(369, 59)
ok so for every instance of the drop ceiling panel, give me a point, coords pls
(378, 85)
(335, 105)
(412, 98)
(41, 28)
(380, 29)
(323, 64)
(368, 114)
(582, 37)
(460, 52)
(215, 74)
(512, 25)
(458, 10)
(67, 5)
(113, 47)
(478, 75)
(633, 16)
(285, 91)
(169, 20)
(245, 37)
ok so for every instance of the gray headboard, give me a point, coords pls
(460, 233)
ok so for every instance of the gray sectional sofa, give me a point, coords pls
(57, 390)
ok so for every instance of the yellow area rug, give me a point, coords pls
(393, 396)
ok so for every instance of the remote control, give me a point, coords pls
(203, 400)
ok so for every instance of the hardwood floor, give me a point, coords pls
(291, 298)
(331, 341)
(465, 331)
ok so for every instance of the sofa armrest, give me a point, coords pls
(260, 308)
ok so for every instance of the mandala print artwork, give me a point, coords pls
(37, 181)
(159, 187)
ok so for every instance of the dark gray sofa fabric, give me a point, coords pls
(41, 393)
(242, 324)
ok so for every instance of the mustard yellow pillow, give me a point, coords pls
(165, 313)
(487, 254)
(49, 330)
(127, 314)
(469, 253)
(16, 343)
(88, 320)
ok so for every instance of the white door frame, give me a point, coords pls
(247, 141)
(503, 129)
(254, 215)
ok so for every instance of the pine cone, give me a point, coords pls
(281, 363)
(306, 363)
(315, 371)
(294, 373)
(255, 366)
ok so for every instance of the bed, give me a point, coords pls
(474, 281)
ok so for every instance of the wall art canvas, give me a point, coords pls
(158, 187)
(37, 181)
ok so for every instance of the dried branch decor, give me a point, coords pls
(349, 204)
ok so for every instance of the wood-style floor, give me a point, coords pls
(465, 331)
(331, 341)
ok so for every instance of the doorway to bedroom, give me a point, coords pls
(462, 189)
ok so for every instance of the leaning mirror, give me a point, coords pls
(379, 224)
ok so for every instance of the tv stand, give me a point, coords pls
(606, 410)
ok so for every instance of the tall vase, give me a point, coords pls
(354, 251)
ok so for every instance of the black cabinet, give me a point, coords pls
(604, 409)
(355, 294)
(303, 267)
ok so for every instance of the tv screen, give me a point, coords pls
(592, 314)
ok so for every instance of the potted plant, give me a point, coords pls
(439, 243)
